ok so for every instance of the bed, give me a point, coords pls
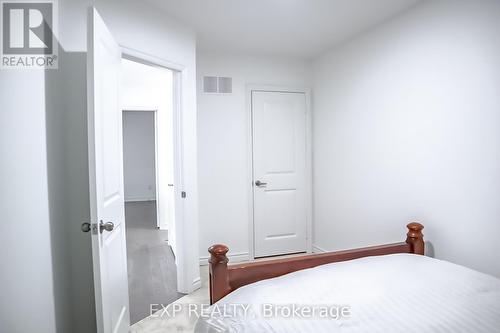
(387, 288)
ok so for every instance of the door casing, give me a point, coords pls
(250, 178)
(178, 238)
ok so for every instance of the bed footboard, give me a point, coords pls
(226, 278)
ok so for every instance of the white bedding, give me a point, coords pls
(393, 293)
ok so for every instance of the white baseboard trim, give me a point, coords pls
(139, 199)
(235, 257)
(196, 283)
(317, 249)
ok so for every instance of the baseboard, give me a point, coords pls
(317, 249)
(235, 257)
(139, 199)
(197, 283)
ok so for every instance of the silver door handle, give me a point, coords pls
(108, 226)
(258, 183)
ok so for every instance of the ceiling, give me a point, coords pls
(298, 28)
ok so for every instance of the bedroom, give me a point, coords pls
(400, 104)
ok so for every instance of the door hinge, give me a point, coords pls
(183, 194)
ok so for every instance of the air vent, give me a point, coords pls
(215, 84)
(210, 84)
(225, 85)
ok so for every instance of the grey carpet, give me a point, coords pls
(152, 274)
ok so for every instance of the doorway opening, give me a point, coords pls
(147, 102)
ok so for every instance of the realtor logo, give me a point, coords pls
(28, 38)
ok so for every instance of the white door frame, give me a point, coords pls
(143, 108)
(309, 215)
(177, 238)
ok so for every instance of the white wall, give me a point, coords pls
(44, 200)
(139, 155)
(24, 206)
(407, 127)
(223, 144)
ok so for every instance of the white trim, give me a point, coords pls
(233, 258)
(317, 249)
(196, 283)
(149, 59)
(272, 88)
(178, 238)
(139, 108)
(251, 236)
(139, 199)
(159, 193)
(309, 172)
(177, 232)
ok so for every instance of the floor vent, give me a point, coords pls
(217, 85)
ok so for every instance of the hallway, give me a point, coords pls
(152, 273)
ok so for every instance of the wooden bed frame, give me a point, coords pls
(226, 278)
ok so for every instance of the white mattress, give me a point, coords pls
(393, 293)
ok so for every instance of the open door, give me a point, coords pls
(106, 178)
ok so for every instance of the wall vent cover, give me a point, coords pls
(217, 85)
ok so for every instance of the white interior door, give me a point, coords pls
(106, 178)
(279, 171)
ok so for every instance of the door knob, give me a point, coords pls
(258, 183)
(108, 226)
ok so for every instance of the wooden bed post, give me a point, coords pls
(415, 238)
(219, 277)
